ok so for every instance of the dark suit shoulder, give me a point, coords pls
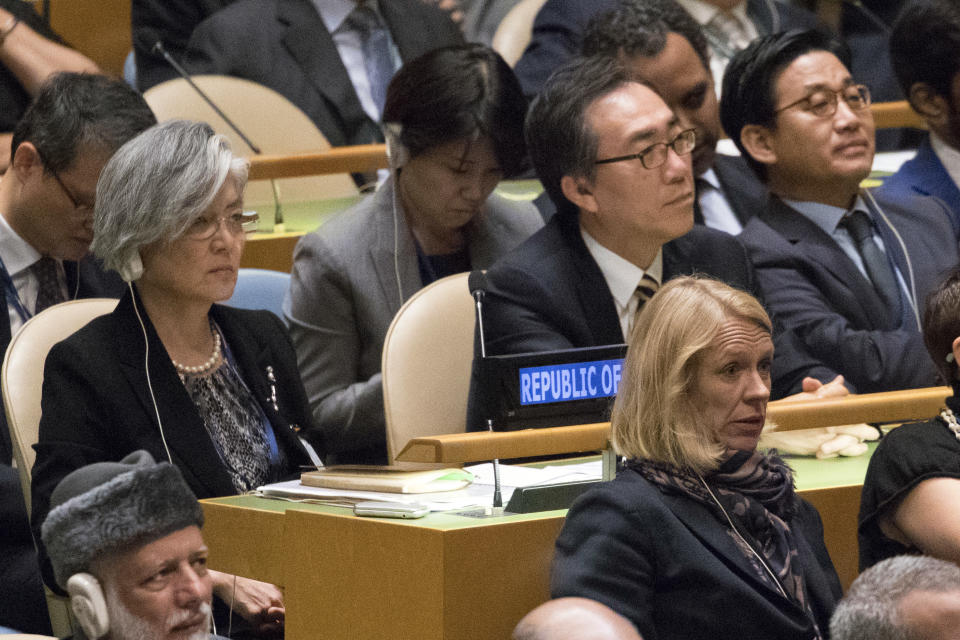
(536, 254)
(708, 252)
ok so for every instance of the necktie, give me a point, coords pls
(730, 26)
(49, 292)
(377, 59)
(645, 290)
(878, 268)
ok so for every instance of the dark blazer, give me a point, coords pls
(814, 289)
(96, 403)
(741, 187)
(549, 294)
(171, 21)
(559, 26)
(671, 567)
(925, 175)
(284, 45)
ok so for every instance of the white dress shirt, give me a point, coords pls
(714, 206)
(334, 15)
(18, 256)
(622, 277)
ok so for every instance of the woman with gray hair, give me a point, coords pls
(701, 535)
(212, 389)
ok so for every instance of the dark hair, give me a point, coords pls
(640, 28)
(750, 81)
(925, 45)
(76, 109)
(560, 140)
(941, 324)
(459, 92)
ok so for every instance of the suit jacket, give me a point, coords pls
(344, 294)
(97, 405)
(814, 289)
(925, 175)
(284, 45)
(549, 294)
(172, 22)
(671, 567)
(559, 26)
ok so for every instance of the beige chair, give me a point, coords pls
(515, 30)
(427, 357)
(22, 380)
(269, 120)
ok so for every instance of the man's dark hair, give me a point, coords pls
(559, 138)
(640, 28)
(75, 109)
(925, 45)
(457, 92)
(750, 81)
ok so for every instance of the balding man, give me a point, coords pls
(574, 619)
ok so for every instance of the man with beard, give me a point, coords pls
(124, 540)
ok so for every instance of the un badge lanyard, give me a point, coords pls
(11, 295)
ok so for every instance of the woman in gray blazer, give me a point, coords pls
(453, 121)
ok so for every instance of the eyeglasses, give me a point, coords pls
(823, 103)
(205, 228)
(66, 190)
(656, 154)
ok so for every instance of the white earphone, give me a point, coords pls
(133, 269)
(88, 604)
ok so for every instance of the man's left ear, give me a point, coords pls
(757, 141)
(931, 106)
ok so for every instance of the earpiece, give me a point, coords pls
(88, 604)
(397, 153)
(133, 269)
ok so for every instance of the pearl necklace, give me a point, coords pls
(951, 421)
(211, 362)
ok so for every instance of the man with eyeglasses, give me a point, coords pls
(73, 126)
(617, 164)
(842, 267)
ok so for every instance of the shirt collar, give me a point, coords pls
(334, 12)
(710, 177)
(949, 156)
(703, 12)
(825, 216)
(622, 276)
(16, 252)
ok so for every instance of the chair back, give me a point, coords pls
(515, 30)
(22, 374)
(427, 358)
(269, 120)
(260, 289)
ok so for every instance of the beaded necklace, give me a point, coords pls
(211, 362)
(951, 421)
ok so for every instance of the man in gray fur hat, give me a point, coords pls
(124, 540)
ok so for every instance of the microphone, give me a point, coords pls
(477, 282)
(148, 35)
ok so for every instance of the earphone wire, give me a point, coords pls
(912, 294)
(736, 532)
(146, 370)
(394, 175)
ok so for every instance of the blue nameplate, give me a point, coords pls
(566, 382)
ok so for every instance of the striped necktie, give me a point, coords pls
(645, 290)
(49, 291)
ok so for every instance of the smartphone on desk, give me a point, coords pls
(390, 510)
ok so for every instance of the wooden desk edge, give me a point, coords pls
(458, 448)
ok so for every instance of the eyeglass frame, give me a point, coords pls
(66, 190)
(862, 89)
(642, 155)
(250, 221)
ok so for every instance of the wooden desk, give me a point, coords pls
(444, 576)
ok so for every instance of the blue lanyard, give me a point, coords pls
(10, 292)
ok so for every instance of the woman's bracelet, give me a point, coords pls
(8, 28)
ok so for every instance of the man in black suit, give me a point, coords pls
(559, 26)
(315, 55)
(60, 145)
(843, 268)
(664, 47)
(616, 162)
